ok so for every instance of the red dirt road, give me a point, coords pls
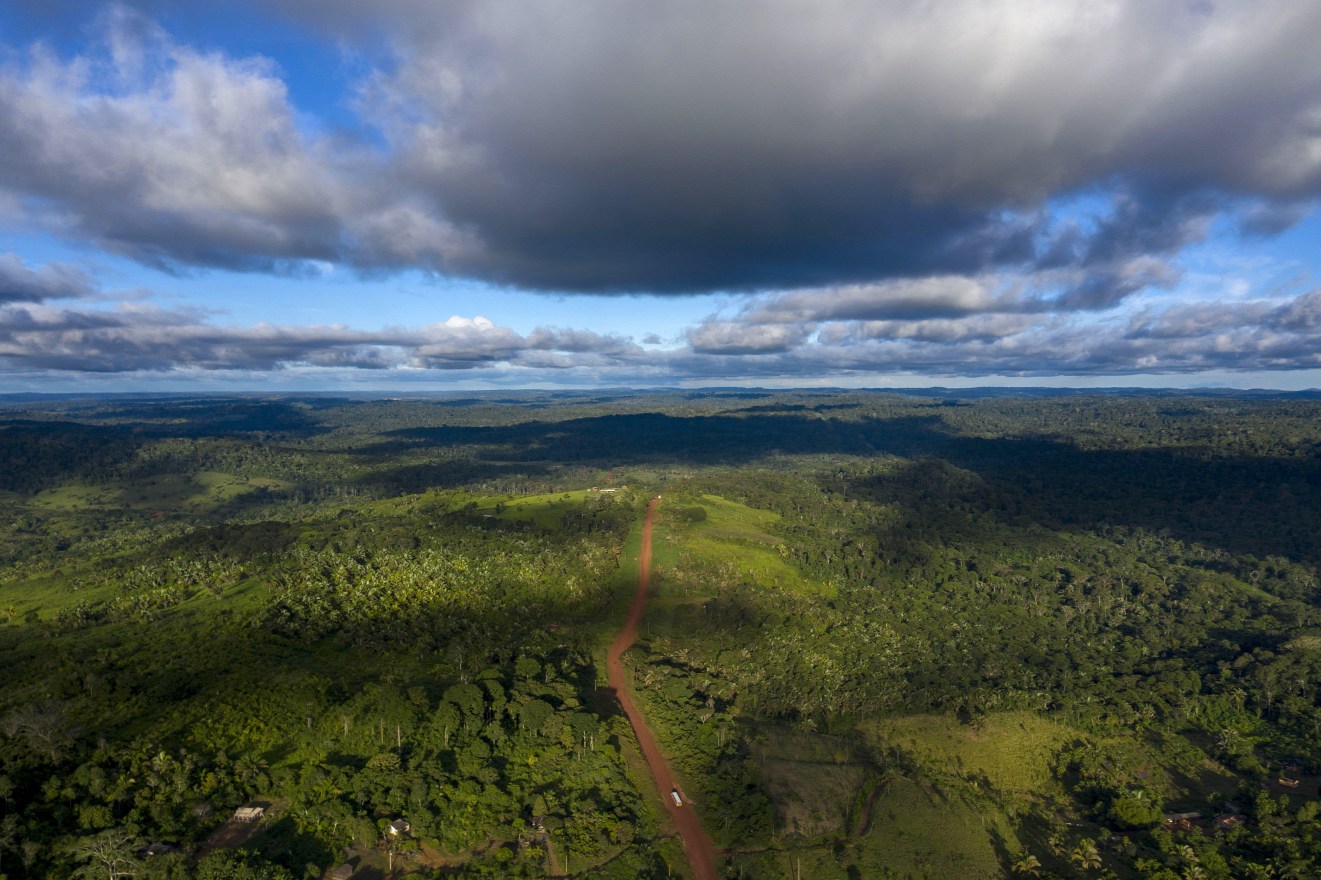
(696, 844)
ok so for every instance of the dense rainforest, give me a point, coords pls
(937, 634)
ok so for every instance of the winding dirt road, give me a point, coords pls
(696, 843)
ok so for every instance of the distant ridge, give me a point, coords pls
(980, 392)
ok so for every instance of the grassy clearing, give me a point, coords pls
(48, 594)
(544, 510)
(786, 743)
(817, 782)
(204, 491)
(1011, 756)
(220, 488)
(78, 497)
(920, 831)
(813, 800)
(729, 535)
(917, 831)
(1013, 752)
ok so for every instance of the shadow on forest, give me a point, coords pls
(38, 454)
(1246, 505)
(457, 472)
(639, 438)
(204, 417)
(1256, 506)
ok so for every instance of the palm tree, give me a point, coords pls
(249, 770)
(393, 846)
(1086, 855)
(1028, 865)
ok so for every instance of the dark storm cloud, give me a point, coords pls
(620, 145)
(682, 146)
(18, 283)
(1271, 218)
(1106, 286)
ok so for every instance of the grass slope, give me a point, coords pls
(197, 493)
(922, 831)
(733, 537)
(1012, 752)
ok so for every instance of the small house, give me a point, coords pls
(398, 827)
(250, 813)
(1180, 821)
(343, 872)
(1288, 781)
(537, 824)
(1228, 821)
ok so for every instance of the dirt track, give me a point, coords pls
(696, 844)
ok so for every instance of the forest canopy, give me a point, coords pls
(899, 635)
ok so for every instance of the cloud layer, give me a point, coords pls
(685, 146)
(54, 320)
(620, 145)
(19, 283)
(136, 338)
(964, 188)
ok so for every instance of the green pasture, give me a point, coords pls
(1012, 752)
(917, 831)
(813, 800)
(923, 831)
(730, 536)
(195, 493)
(544, 510)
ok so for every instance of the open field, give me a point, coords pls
(195, 493)
(732, 537)
(544, 510)
(1013, 753)
(918, 830)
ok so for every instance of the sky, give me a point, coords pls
(421, 195)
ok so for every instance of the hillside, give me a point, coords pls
(889, 635)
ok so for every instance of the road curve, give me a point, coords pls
(696, 843)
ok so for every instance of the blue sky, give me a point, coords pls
(315, 195)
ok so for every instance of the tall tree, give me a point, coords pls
(110, 854)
